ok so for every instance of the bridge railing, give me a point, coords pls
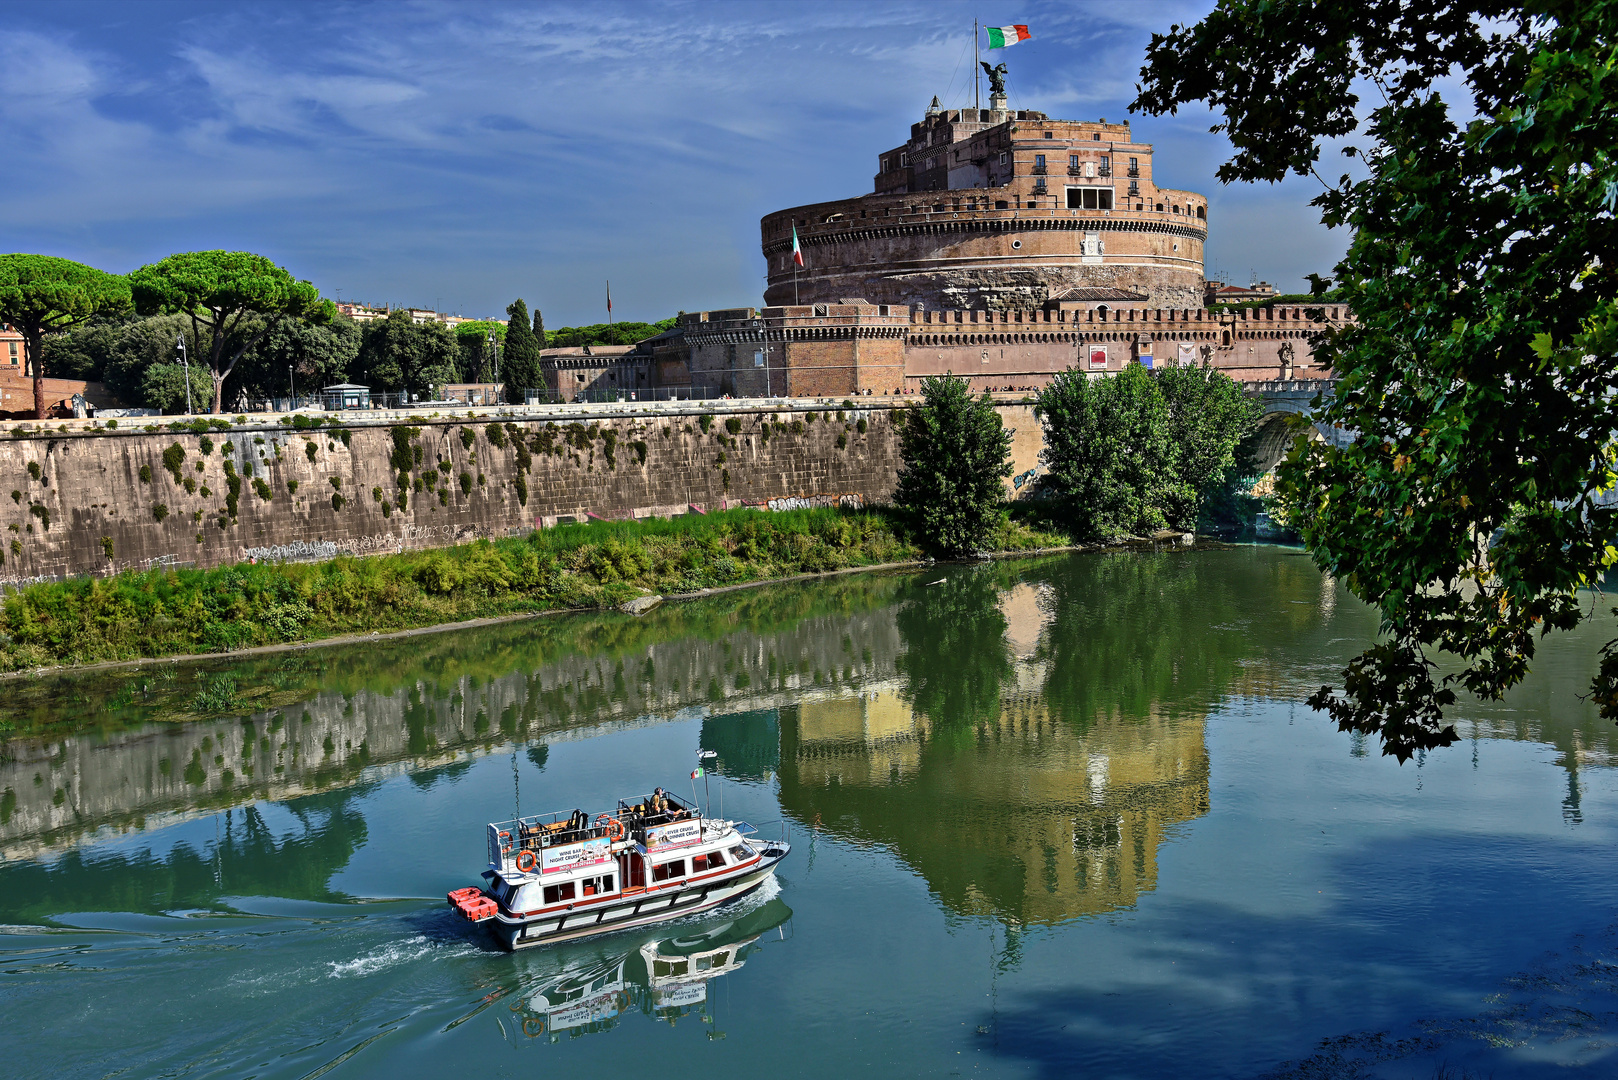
(1288, 386)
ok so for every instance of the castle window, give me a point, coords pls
(1004, 157)
(1048, 135)
(1089, 198)
(1201, 213)
(1000, 204)
(1096, 136)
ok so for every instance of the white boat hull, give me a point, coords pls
(626, 912)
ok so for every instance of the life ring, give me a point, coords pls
(533, 860)
(614, 827)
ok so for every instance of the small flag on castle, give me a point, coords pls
(797, 252)
(1004, 37)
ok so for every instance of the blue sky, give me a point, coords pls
(460, 155)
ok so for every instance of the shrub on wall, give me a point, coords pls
(160, 511)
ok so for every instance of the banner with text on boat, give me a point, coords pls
(677, 834)
(568, 856)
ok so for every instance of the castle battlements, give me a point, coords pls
(996, 210)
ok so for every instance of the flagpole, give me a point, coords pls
(977, 69)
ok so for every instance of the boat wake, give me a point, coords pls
(395, 953)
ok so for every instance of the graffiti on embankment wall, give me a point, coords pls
(99, 502)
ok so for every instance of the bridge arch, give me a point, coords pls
(1277, 430)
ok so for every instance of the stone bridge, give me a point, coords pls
(1283, 399)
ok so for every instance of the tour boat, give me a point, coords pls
(565, 876)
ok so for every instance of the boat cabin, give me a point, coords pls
(645, 845)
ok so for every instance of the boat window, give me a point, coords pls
(707, 862)
(741, 852)
(555, 894)
(594, 885)
(669, 870)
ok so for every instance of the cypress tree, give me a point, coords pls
(539, 328)
(519, 363)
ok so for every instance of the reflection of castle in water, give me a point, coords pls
(1021, 814)
(1033, 821)
(665, 980)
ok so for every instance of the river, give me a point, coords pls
(1066, 816)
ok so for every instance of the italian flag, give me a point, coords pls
(1004, 37)
(797, 252)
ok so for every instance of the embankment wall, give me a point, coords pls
(99, 502)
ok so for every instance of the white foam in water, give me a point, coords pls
(392, 955)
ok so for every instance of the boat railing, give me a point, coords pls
(509, 839)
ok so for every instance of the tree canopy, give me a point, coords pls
(519, 367)
(219, 291)
(622, 333)
(956, 453)
(399, 354)
(1474, 505)
(43, 294)
(472, 341)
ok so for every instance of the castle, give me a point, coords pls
(999, 245)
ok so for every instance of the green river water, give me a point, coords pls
(1057, 817)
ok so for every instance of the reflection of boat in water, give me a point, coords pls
(664, 979)
(560, 877)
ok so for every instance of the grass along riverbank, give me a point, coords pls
(170, 612)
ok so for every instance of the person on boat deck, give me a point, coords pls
(660, 802)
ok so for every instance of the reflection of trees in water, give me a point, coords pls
(955, 659)
(429, 701)
(60, 703)
(748, 743)
(248, 859)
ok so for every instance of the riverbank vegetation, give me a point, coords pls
(1472, 506)
(168, 612)
(1142, 450)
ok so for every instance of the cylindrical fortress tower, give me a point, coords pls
(999, 210)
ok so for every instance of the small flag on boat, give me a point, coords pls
(1004, 37)
(797, 252)
(698, 774)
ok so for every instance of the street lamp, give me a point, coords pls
(494, 356)
(294, 386)
(186, 364)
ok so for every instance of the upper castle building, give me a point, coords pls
(999, 210)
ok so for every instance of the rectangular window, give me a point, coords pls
(555, 894)
(1072, 162)
(13, 345)
(711, 861)
(596, 885)
(741, 852)
(1039, 161)
(669, 870)
(1089, 198)
(1004, 157)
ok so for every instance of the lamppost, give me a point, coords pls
(294, 387)
(186, 364)
(494, 357)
